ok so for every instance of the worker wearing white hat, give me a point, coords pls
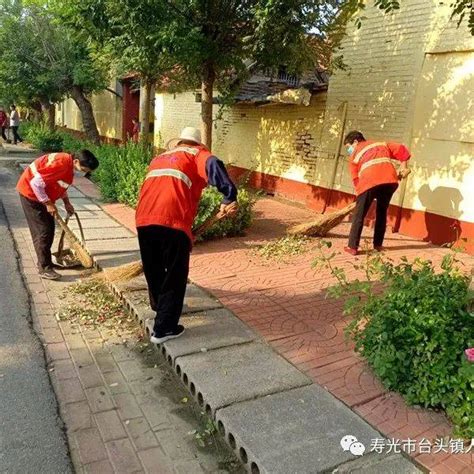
(166, 210)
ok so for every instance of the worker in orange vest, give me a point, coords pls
(166, 210)
(375, 177)
(42, 183)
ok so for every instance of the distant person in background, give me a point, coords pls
(14, 124)
(3, 123)
(135, 130)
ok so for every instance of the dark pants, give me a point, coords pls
(4, 136)
(165, 256)
(16, 137)
(41, 224)
(383, 194)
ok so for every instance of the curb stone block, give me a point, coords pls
(295, 431)
(208, 330)
(197, 300)
(221, 377)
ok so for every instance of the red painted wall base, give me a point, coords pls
(434, 228)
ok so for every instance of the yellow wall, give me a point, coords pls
(107, 111)
(282, 140)
(410, 78)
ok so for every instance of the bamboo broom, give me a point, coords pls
(323, 224)
(132, 270)
(76, 246)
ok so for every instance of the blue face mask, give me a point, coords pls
(350, 150)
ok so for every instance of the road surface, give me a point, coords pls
(31, 432)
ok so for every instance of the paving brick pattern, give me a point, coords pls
(287, 305)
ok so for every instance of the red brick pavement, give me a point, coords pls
(285, 302)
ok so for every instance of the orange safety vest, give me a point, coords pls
(57, 171)
(373, 163)
(172, 188)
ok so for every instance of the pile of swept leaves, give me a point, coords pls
(93, 304)
(282, 249)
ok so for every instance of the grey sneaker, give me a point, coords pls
(49, 274)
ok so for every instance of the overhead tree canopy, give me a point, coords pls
(44, 61)
(135, 37)
(215, 41)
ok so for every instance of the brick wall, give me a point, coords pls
(282, 140)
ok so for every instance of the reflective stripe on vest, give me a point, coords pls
(51, 158)
(170, 172)
(366, 149)
(33, 169)
(185, 149)
(35, 172)
(375, 161)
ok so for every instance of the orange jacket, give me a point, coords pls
(372, 164)
(172, 188)
(57, 172)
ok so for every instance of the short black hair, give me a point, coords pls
(354, 135)
(13, 105)
(87, 159)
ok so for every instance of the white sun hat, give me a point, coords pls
(190, 134)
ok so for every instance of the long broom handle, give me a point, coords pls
(70, 234)
(210, 222)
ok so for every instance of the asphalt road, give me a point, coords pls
(31, 433)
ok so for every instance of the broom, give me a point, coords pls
(76, 246)
(132, 270)
(323, 224)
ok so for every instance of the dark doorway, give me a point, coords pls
(130, 105)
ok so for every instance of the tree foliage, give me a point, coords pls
(43, 61)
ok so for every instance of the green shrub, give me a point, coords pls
(42, 138)
(413, 329)
(72, 144)
(229, 227)
(121, 171)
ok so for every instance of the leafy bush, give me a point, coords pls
(121, 171)
(42, 138)
(229, 227)
(72, 144)
(413, 329)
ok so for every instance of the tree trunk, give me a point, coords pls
(145, 112)
(87, 114)
(49, 114)
(207, 89)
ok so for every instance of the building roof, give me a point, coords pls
(263, 89)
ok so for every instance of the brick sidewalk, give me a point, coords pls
(123, 412)
(286, 304)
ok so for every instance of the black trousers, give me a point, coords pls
(16, 137)
(4, 136)
(41, 224)
(383, 194)
(165, 256)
